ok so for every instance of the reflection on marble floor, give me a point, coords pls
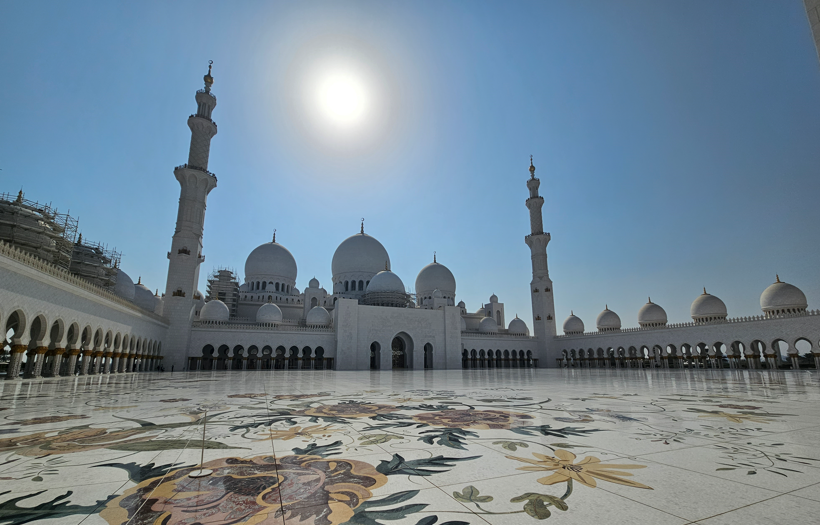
(420, 448)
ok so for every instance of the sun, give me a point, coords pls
(342, 98)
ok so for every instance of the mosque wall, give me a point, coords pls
(49, 313)
(358, 327)
(708, 338)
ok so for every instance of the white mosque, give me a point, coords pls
(59, 322)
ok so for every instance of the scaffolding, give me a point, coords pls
(95, 262)
(224, 286)
(37, 228)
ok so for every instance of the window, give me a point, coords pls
(361, 285)
(346, 284)
(264, 286)
(277, 287)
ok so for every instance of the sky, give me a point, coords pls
(676, 142)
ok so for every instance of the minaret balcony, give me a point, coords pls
(204, 118)
(192, 167)
(206, 93)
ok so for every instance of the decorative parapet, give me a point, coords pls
(496, 335)
(239, 325)
(746, 319)
(34, 262)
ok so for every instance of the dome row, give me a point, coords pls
(778, 299)
(216, 310)
(488, 325)
(139, 294)
(357, 254)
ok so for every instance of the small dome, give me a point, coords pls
(518, 327)
(124, 286)
(314, 283)
(573, 325)
(385, 281)
(781, 298)
(608, 321)
(463, 325)
(268, 313)
(437, 294)
(270, 260)
(294, 291)
(488, 326)
(651, 315)
(707, 308)
(493, 298)
(461, 304)
(359, 253)
(214, 310)
(143, 297)
(435, 276)
(317, 316)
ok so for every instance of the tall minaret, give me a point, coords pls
(186, 246)
(543, 306)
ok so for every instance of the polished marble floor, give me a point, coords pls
(421, 448)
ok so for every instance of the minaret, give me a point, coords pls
(543, 306)
(186, 245)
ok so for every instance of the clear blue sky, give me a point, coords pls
(676, 142)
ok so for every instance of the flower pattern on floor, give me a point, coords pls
(413, 448)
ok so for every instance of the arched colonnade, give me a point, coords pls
(36, 345)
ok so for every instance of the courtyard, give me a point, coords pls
(495, 446)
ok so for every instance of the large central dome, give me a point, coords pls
(359, 253)
(270, 260)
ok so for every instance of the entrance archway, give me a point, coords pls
(399, 350)
(375, 356)
(428, 356)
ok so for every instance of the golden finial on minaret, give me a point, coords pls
(778, 278)
(434, 257)
(362, 230)
(274, 235)
(532, 168)
(704, 291)
(209, 80)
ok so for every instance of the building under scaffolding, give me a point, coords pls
(37, 229)
(223, 285)
(95, 262)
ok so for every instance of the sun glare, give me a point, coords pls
(342, 98)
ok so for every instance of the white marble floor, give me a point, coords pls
(418, 448)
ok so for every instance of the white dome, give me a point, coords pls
(214, 310)
(314, 283)
(268, 313)
(270, 260)
(143, 297)
(124, 286)
(707, 308)
(294, 290)
(461, 304)
(435, 276)
(519, 327)
(463, 325)
(359, 253)
(780, 297)
(651, 314)
(488, 326)
(608, 320)
(573, 324)
(385, 281)
(493, 298)
(317, 316)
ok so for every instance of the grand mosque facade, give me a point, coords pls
(58, 323)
